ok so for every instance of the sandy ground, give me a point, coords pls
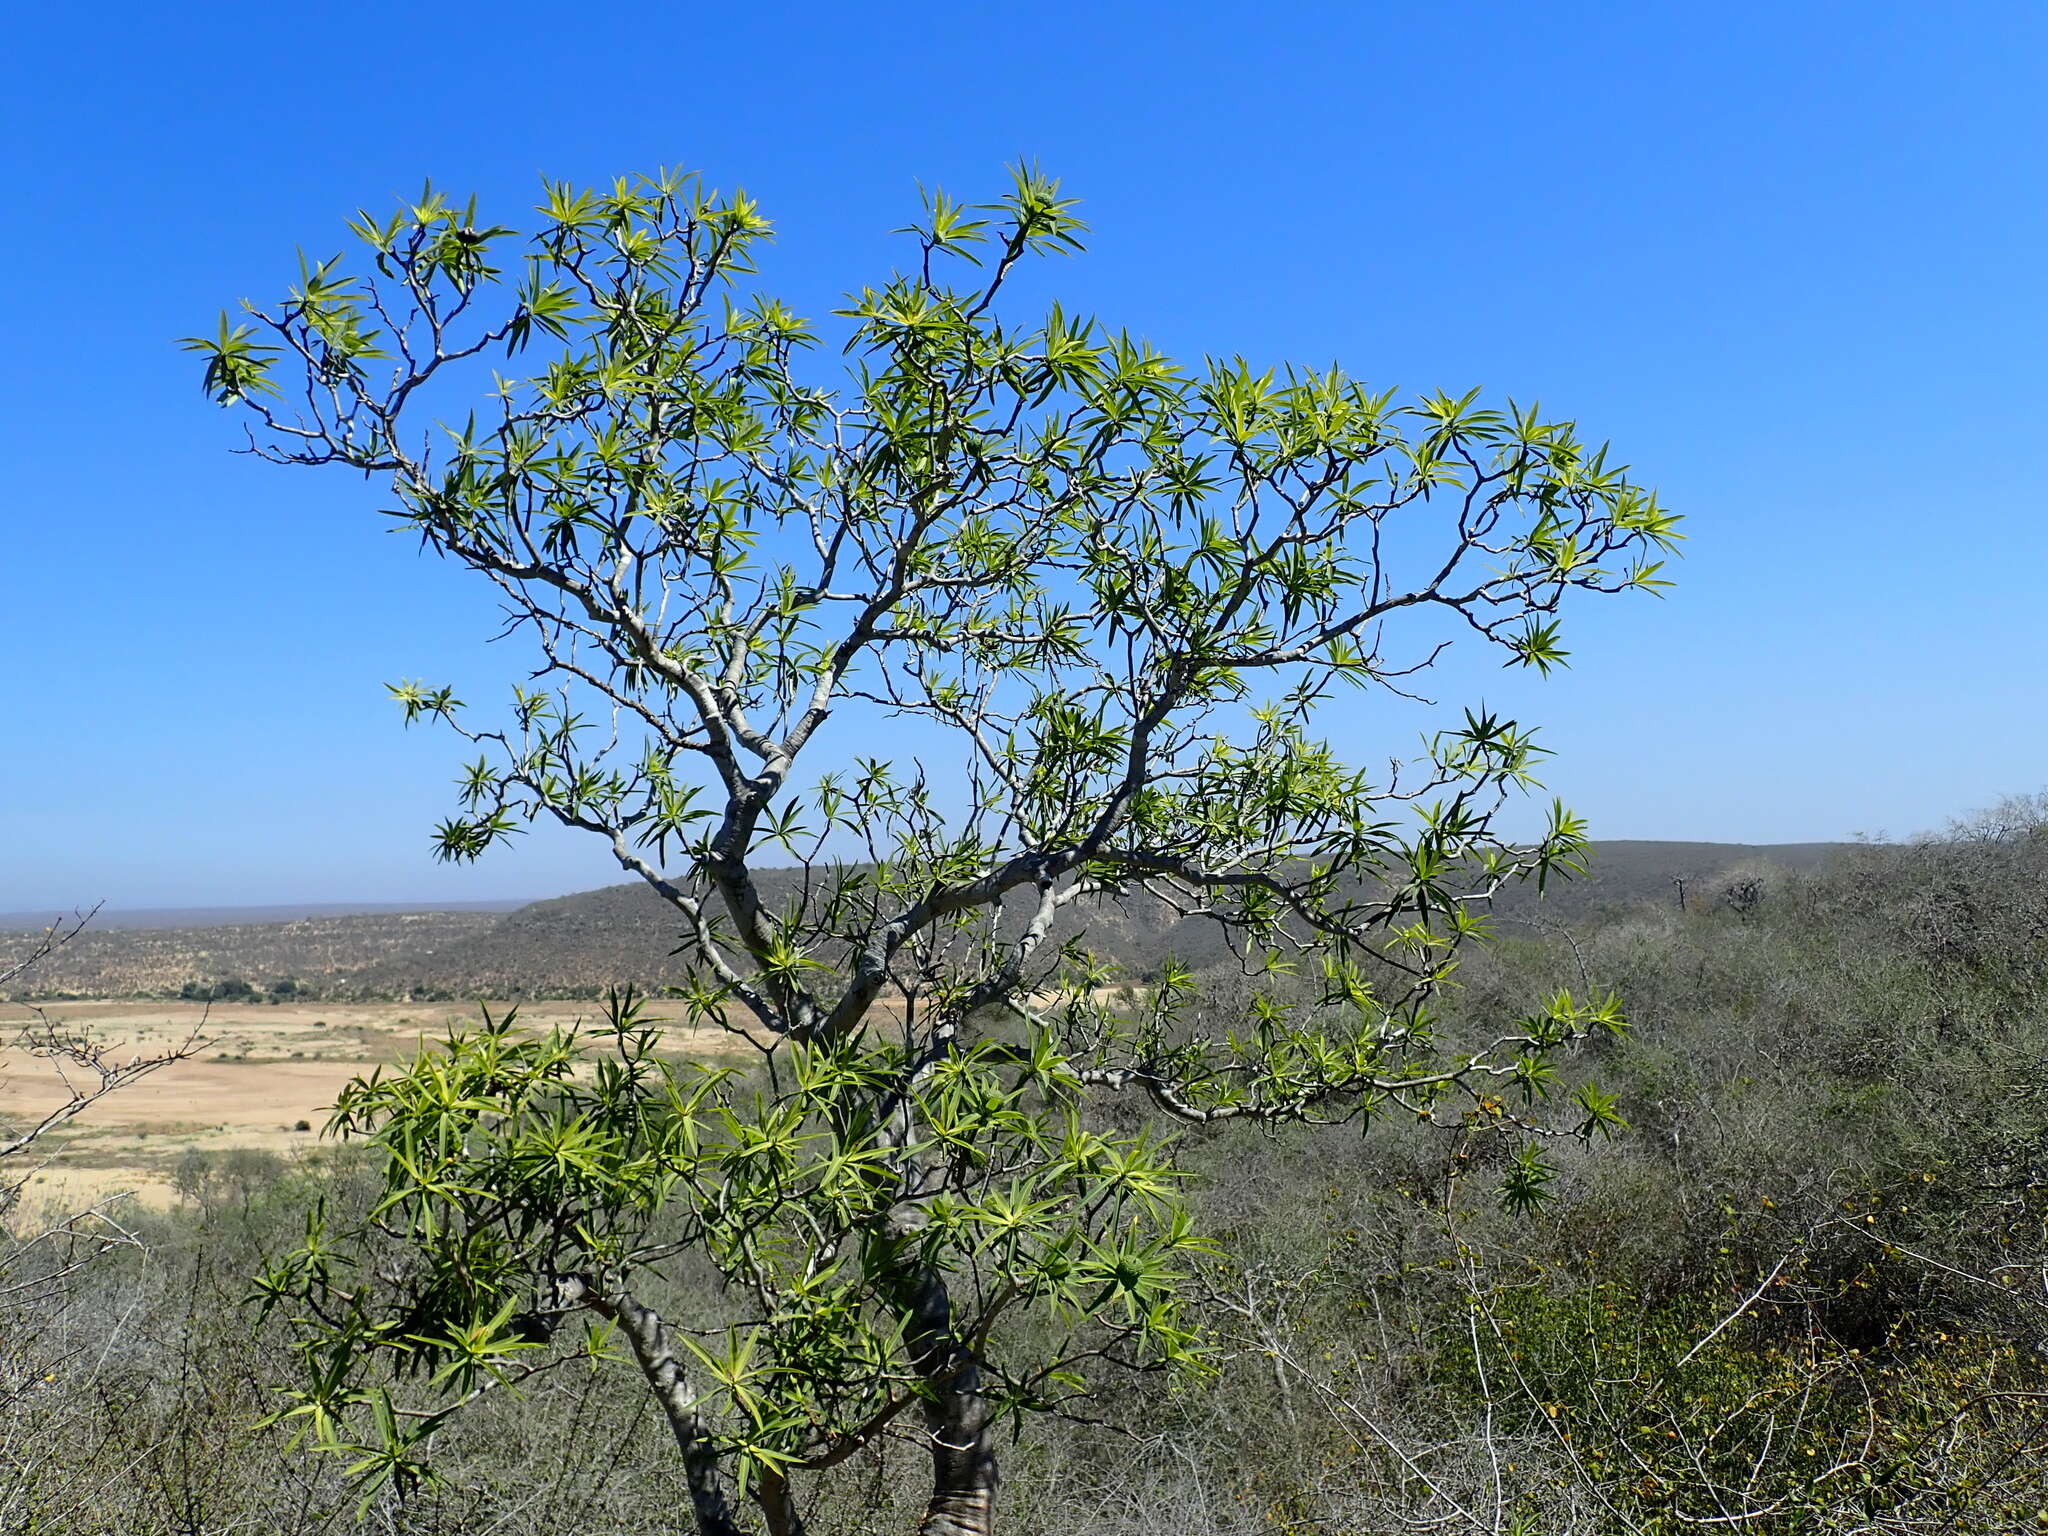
(259, 1074)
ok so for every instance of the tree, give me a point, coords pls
(1097, 599)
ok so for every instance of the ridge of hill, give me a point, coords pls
(576, 946)
(234, 917)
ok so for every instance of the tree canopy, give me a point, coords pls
(992, 626)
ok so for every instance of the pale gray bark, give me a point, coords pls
(778, 1506)
(957, 1417)
(655, 1351)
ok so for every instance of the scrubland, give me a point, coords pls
(1805, 1291)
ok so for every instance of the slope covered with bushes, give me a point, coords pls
(1802, 1292)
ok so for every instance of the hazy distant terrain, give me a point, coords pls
(223, 917)
(577, 945)
(323, 954)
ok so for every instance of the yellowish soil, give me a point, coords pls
(258, 1072)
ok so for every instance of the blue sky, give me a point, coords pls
(1788, 258)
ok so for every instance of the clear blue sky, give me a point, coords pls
(1788, 257)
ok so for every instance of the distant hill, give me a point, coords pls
(1625, 872)
(578, 945)
(323, 954)
(223, 917)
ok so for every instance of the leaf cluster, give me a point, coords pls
(529, 1179)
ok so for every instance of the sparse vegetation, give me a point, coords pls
(1803, 1289)
(369, 956)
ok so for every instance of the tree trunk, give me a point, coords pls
(957, 1417)
(648, 1335)
(778, 1508)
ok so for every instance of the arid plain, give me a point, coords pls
(260, 1076)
